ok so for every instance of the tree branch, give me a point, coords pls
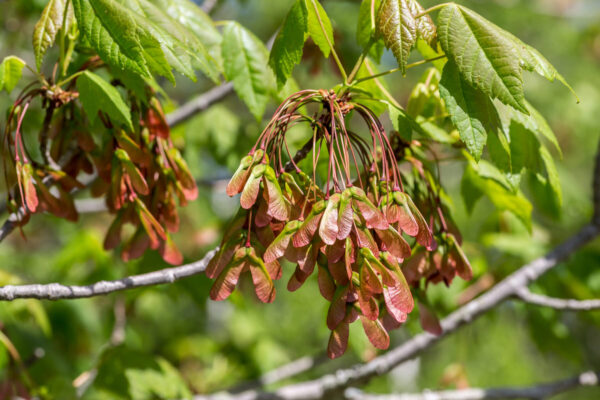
(527, 296)
(279, 374)
(55, 291)
(541, 391)
(200, 103)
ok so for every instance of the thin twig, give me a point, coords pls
(55, 291)
(541, 391)
(198, 104)
(527, 296)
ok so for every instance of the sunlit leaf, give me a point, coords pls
(245, 63)
(397, 26)
(97, 95)
(53, 18)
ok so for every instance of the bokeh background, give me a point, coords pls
(176, 341)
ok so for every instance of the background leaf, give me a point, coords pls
(111, 30)
(46, 29)
(11, 71)
(245, 61)
(366, 29)
(288, 45)
(483, 54)
(98, 95)
(192, 17)
(397, 26)
(471, 111)
(314, 27)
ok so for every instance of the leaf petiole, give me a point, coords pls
(432, 9)
(333, 52)
(391, 71)
(70, 78)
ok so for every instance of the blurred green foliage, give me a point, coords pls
(178, 342)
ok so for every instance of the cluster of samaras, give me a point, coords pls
(352, 232)
(140, 174)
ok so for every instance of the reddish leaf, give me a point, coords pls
(373, 217)
(368, 278)
(252, 186)
(308, 258)
(398, 301)
(277, 249)
(448, 269)
(368, 304)
(239, 178)
(263, 284)
(132, 148)
(278, 205)
(274, 269)
(222, 258)
(463, 266)
(309, 226)
(388, 322)
(338, 341)
(335, 252)
(429, 321)
(155, 120)
(414, 268)
(67, 206)
(328, 229)
(349, 256)
(392, 212)
(297, 280)
(262, 217)
(345, 215)
(337, 308)
(326, 283)
(394, 243)
(376, 333)
(228, 278)
(171, 217)
(234, 227)
(182, 171)
(292, 191)
(351, 313)
(113, 236)
(169, 252)
(265, 235)
(338, 272)
(406, 220)
(150, 224)
(31, 198)
(424, 237)
(136, 245)
(48, 201)
(135, 176)
(364, 239)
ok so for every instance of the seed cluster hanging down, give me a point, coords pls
(351, 229)
(138, 171)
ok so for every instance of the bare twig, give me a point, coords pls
(541, 391)
(286, 371)
(55, 291)
(559, 304)
(198, 104)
